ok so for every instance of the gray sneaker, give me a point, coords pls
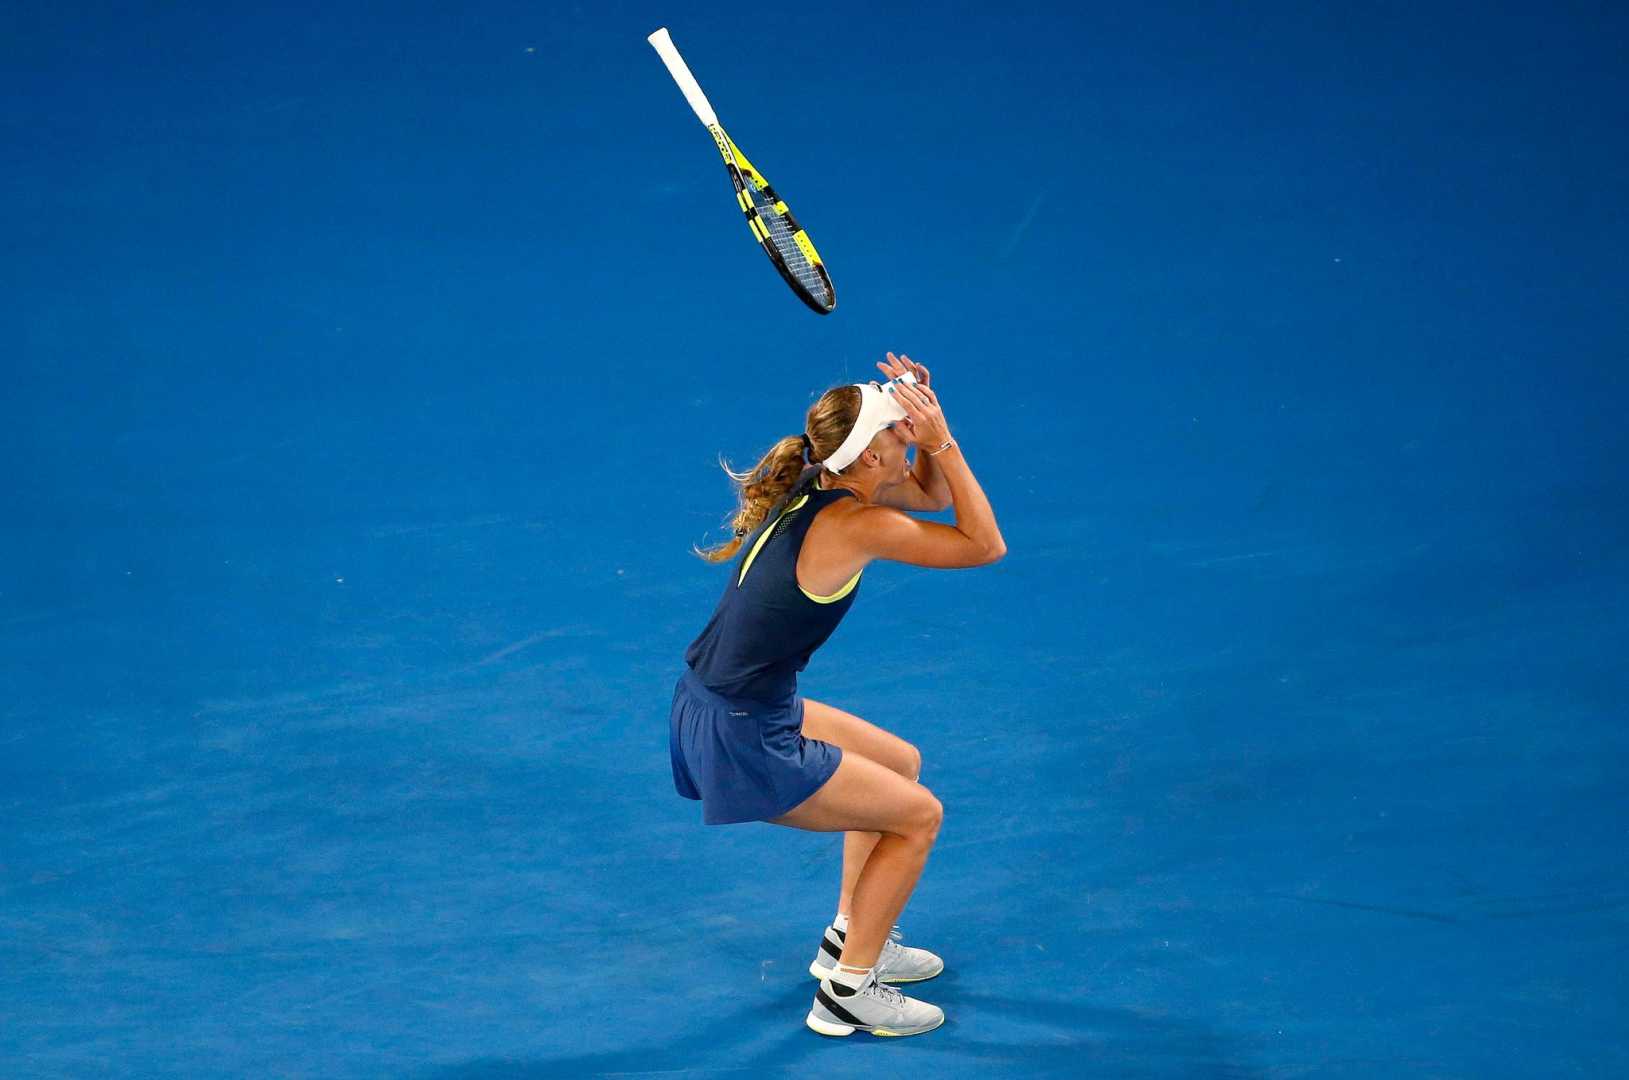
(896, 964)
(874, 1007)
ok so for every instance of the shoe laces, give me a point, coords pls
(886, 994)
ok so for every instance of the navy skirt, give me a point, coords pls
(745, 760)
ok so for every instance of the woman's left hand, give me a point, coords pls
(895, 366)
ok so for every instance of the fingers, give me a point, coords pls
(895, 366)
(910, 365)
(915, 408)
(921, 407)
(923, 395)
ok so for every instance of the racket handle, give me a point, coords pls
(676, 67)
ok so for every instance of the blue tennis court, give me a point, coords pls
(365, 375)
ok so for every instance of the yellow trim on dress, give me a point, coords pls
(764, 537)
(836, 596)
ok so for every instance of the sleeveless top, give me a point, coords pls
(766, 626)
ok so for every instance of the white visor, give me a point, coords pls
(878, 409)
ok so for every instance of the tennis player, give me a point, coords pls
(814, 513)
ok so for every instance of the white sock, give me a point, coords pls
(850, 980)
(840, 923)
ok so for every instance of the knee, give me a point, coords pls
(924, 825)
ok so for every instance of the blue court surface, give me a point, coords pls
(365, 373)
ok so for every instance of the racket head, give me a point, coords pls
(785, 241)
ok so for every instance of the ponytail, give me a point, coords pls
(760, 488)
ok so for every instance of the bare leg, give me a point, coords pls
(856, 850)
(885, 884)
(856, 736)
(864, 796)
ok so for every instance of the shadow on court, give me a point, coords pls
(1059, 1038)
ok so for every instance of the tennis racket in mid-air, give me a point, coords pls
(772, 224)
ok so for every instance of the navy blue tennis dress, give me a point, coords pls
(736, 730)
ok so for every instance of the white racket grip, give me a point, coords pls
(676, 67)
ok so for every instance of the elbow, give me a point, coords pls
(995, 551)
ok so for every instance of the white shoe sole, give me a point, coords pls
(826, 1027)
(892, 980)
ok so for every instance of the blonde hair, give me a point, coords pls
(762, 487)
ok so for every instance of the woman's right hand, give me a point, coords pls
(922, 412)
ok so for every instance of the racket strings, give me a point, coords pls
(780, 235)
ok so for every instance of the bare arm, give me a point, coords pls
(924, 487)
(930, 480)
(885, 533)
(917, 491)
